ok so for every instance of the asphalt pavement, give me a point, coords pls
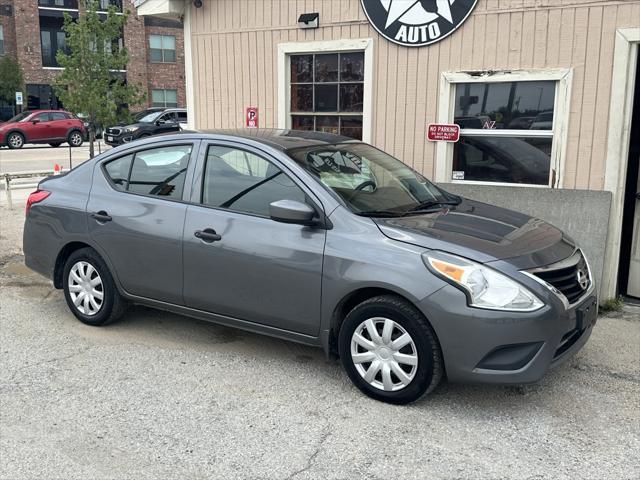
(159, 396)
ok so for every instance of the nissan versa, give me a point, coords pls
(319, 239)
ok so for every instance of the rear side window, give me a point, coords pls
(118, 171)
(158, 171)
(59, 116)
(182, 117)
(241, 181)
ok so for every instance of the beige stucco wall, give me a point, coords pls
(235, 45)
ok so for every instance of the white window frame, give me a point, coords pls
(285, 50)
(446, 113)
(164, 94)
(162, 49)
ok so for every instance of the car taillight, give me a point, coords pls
(36, 197)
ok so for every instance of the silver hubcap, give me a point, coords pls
(15, 141)
(75, 139)
(85, 288)
(384, 354)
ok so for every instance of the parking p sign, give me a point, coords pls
(18, 98)
(252, 117)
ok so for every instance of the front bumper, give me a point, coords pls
(486, 346)
(118, 139)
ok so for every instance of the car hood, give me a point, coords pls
(484, 233)
(129, 125)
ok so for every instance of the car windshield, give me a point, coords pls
(149, 117)
(369, 181)
(19, 117)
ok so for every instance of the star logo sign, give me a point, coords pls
(416, 23)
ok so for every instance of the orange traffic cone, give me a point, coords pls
(57, 169)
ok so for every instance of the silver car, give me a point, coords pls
(319, 239)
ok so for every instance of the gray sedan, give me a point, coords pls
(319, 239)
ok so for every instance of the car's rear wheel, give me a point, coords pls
(56, 144)
(15, 140)
(89, 289)
(75, 138)
(389, 350)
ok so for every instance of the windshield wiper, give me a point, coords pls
(431, 204)
(380, 214)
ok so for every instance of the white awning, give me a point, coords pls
(160, 8)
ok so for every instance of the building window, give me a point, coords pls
(1, 40)
(67, 4)
(164, 98)
(327, 93)
(52, 39)
(162, 48)
(506, 132)
(103, 5)
(513, 127)
(42, 97)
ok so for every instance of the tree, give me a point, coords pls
(91, 82)
(11, 80)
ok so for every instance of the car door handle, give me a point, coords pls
(101, 216)
(208, 235)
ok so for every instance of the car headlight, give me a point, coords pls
(484, 286)
(132, 129)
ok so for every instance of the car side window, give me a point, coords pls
(168, 118)
(118, 171)
(182, 117)
(158, 171)
(244, 182)
(58, 116)
(42, 117)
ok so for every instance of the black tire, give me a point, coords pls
(15, 140)
(430, 366)
(113, 305)
(75, 138)
(56, 144)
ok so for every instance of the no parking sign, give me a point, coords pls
(252, 117)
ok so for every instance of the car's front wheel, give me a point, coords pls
(390, 350)
(15, 140)
(75, 138)
(89, 289)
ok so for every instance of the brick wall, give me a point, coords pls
(22, 37)
(6, 20)
(167, 75)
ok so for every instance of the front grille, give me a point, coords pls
(114, 131)
(571, 277)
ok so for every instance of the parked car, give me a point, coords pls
(166, 120)
(42, 126)
(85, 121)
(255, 229)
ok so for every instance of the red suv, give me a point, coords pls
(42, 126)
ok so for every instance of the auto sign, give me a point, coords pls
(415, 23)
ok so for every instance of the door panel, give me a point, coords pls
(143, 238)
(60, 124)
(38, 131)
(261, 271)
(246, 265)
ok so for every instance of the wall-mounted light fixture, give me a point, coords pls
(309, 20)
(197, 3)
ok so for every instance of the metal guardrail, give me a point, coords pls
(9, 177)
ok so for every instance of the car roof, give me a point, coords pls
(281, 139)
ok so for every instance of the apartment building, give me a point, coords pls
(31, 31)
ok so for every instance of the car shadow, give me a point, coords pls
(154, 327)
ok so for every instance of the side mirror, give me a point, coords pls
(292, 211)
(35, 120)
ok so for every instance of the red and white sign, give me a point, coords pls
(252, 117)
(443, 132)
